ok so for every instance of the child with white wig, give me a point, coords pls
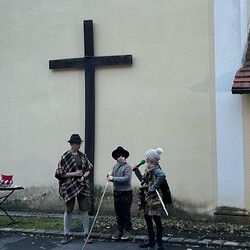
(150, 182)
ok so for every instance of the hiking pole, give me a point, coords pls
(97, 212)
(161, 202)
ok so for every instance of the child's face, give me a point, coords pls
(121, 159)
(75, 146)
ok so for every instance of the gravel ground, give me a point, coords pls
(189, 229)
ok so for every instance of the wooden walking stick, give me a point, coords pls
(97, 212)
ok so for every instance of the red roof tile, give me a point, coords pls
(241, 83)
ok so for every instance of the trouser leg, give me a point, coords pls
(84, 205)
(118, 212)
(150, 228)
(67, 215)
(85, 221)
(158, 223)
(122, 205)
(66, 222)
(126, 204)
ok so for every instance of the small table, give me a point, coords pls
(3, 198)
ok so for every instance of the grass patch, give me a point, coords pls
(47, 223)
(108, 224)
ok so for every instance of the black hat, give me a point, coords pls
(120, 151)
(75, 138)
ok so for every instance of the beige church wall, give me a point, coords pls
(165, 99)
(246, 135)
(246, 122)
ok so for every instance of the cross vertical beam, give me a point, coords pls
(89, 62)
(89, 92)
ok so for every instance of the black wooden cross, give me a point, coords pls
(89, 62)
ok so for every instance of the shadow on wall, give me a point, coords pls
(46, 199)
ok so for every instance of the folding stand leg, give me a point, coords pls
(4, 199)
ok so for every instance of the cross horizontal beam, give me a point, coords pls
(89, 62)
(82, 62)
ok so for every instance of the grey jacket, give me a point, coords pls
(153, 183)
(122, 174)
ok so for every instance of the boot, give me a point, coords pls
(157, 247)
(147, 245)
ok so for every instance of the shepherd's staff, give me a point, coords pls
(86, 240)
(161, 202)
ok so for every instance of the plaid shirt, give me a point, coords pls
(70, 187)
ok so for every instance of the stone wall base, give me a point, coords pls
(232, 215)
